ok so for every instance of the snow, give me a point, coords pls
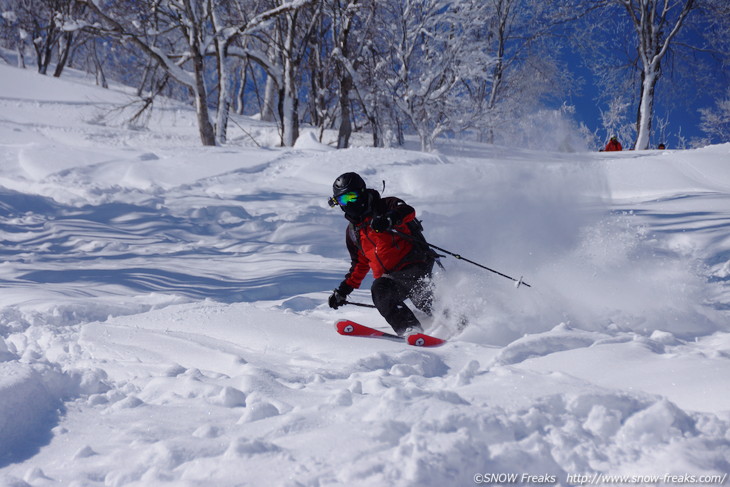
(163, 316)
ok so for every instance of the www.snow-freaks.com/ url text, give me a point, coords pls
(599, 479)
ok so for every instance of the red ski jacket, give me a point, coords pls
(381, 252)
(613, 146)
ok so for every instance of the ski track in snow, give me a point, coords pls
(163, 316)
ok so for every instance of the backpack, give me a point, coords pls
(420, 242)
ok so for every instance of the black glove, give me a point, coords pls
(339, 296)
(381, 223)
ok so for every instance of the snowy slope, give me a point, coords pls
(163, 315)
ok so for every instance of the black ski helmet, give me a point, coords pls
(348, 182)
(351, 182)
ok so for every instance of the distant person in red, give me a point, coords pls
(661, 147)
(613, 145)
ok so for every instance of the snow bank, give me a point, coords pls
(27, 411)
(31, 403)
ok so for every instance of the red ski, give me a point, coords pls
(347, 327)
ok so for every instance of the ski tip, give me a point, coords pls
(344, 327)
(423, 340)
(349, 327)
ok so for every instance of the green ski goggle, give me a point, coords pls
(344, 199)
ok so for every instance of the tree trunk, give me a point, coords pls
(271, 89)
(267, 110)
(207, 134)
(205, 127)
(503, 12)
(64, 49)
(343, 137)
(241, 91)
(346, 83)
(224, 102)
(44, 52)
(221, 124)
(225, 82)
(426, 141)
(649, 78)
(147, 75)
(21, 53)
(289, 116)
(200, 91)
(98, 68)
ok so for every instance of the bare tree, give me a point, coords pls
(140, 24)
(180, 34)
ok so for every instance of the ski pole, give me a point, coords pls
(364, 305)
(518, 282)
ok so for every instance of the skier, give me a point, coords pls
(613, 145)
(384, 236)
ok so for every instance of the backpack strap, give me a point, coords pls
(416, 228)
(353, 235)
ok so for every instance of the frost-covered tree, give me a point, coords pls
(716, 121)
(616, 121)
(422, 60)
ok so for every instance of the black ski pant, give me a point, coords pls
(391, 290)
